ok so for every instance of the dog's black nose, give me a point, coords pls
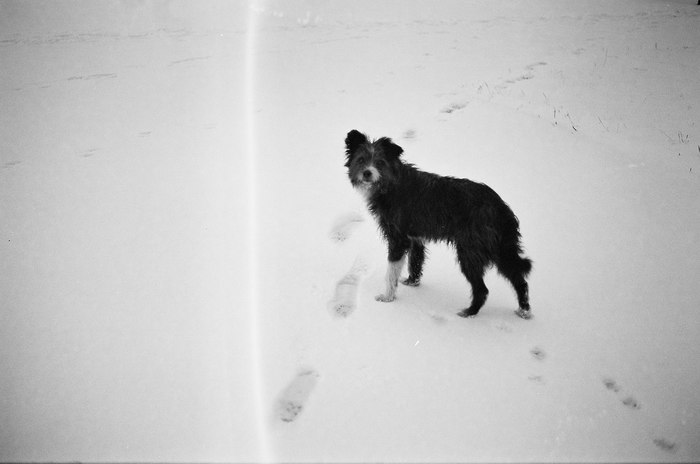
(367, 175)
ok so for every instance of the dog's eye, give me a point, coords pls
(361, 160)
(381, 163)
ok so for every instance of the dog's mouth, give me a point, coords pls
(366, 188)
(363, 185)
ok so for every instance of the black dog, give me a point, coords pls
(412, 207)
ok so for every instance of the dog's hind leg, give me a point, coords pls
(515, 269)
(416, 258)
(521, 288)
(473, 269)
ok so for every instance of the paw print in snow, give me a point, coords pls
(631, 403)
(627, 400)
(344, 225)
(293, 399)
(344, 299)
(665, 445)
(538, 353)
(611, 385)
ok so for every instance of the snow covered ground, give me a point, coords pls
(144, 316)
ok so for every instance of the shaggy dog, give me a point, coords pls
(413, 207)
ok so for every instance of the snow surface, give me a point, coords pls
(187, 274)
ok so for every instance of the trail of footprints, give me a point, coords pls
(629, 401)
(344, 299)
(293, 398)
(538, 354)
(527, 73)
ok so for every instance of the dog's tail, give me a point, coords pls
(511, 262)
(510, 256)
(525, 266)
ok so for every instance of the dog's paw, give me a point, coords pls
(524, 313)
(467, 313)
(410, 282)
(385, 298)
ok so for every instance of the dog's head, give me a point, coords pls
(371, 164)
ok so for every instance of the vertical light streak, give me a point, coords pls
(265, 452)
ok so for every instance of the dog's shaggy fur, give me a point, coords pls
(413, 207)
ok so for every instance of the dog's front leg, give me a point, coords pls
(393, 271)
(397, 257)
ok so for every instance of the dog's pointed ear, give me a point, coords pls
(391, 150)
(353, 140)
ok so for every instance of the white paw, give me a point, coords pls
(524, 313)
(385, 298)
(410, 283)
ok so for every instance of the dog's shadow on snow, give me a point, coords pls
(441, 305)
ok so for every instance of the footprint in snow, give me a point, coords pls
(293, 398)
(504, 327)
(666, 445)
(455, 106)
(344, 225)
(438, 319)
(344, 299)
(526, 74)
(538, 353)
(532, 66)
(89, 153)
(627, 400)
(529, 74)
(10, 164)
(611, 385)
(536, 379)
(409, 134)
(631, 402)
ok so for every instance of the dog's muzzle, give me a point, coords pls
(369, 175)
